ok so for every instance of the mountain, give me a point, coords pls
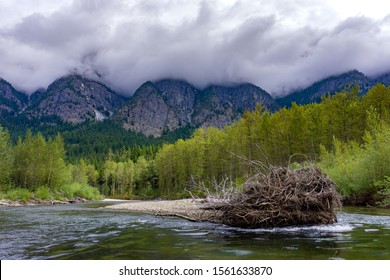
(12, 102)
(147, 112)
(156, 108)
(163, 106)
(74, 99)
(384, 79)
(329, 85)
(180, 96)
(221, 105)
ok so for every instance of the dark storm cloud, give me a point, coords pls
(125, 43)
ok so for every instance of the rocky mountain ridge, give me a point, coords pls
(167, 105)
(12, 102)
(74, 99)
(329, 85)
(161, 106)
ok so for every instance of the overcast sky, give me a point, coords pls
(278, 45)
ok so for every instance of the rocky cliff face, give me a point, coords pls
(12, 102)
(220, 105)
(180, 96)
(329, 85)
(168, 105)
(147, 112)
(75, 99)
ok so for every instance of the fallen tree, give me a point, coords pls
(282, 197)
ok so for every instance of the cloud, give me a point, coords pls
(273, 44)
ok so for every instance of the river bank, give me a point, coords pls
(36, 202)
(180, 207)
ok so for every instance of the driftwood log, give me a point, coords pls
(283, 197)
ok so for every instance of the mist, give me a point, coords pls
(279, 46)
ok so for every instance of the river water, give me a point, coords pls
(88, 231)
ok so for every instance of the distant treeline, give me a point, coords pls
(92, 141)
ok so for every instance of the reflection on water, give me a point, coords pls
(86, 231)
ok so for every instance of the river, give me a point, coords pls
(88, 231)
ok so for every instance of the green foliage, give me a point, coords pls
(383, 192)
(128, 179)
(336, 127)
(39, 162)
(19, 194)
(65, 192)
(341, 164)
(344, 115)
(35, 167)
(74, 190)
(92, 141)
(360, 169)
(43, 193)
(84, 173)
(379, 99)
(6, 158)
(348, 132)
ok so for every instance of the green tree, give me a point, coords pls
(84, 173)
(6, 158)
(378, 97)
(345, 119)
(54, 163)
(357, 169)
(164, 164)
(39, 163)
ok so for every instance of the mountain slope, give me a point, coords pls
(74, 99)
(384, 79)
(12, 102)
(147, 112)
(180, 96)
(221, 105)
(167, 105)
(330, 85)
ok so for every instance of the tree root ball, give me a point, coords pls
(283, 197)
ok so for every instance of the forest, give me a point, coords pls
(92, 140)
(35, 168)
(346, 136)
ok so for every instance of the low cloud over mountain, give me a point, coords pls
(279, 46)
